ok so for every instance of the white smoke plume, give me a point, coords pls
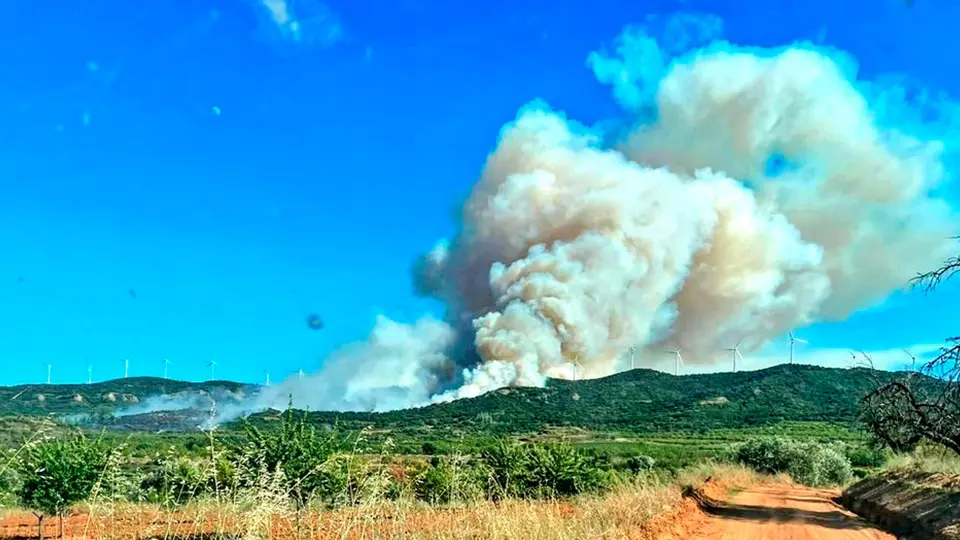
(757, 191)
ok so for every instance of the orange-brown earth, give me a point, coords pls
(783, 512)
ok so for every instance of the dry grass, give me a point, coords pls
(728, 475)
(623, 513)
(927, 458)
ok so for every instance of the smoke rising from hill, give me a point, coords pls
(757, 191)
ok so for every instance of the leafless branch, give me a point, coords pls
(930, 280)
(924, 405)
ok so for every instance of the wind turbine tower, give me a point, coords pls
(49, 371)
(736, 353)
(300, 375)
(576, 366)
(166, 367)
(267, 383)
(89, 373)
(677, 361)
(213, 368)
(793, 340)
(633, 362)
(913, 360)
(126, 368)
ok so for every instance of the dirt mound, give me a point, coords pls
(683, 520)
(708, 494)
(677, 522)
(909, 504)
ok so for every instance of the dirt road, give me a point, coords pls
(783, 512)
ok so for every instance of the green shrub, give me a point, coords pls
(638, 464)
(434, 482)
(870, 457)
(304, 456)
(543, 471)
(173, 480)
(810, 463)
(508, 477)
(8, 483)
(453, 479)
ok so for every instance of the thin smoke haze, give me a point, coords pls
(754, 192)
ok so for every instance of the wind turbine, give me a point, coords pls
(126, 368)
(300, 374)
(576, 364)
(677, 361)
(213, 368)
(166, 367)
(633, 363)
(794, 339)
(49, 370)
(267, 383)
(89, 372)
(736, 353)
(913, 360)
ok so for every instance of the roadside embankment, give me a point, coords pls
(910, 504)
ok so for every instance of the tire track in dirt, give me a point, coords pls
(783, 512)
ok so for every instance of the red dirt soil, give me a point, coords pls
(781, 511)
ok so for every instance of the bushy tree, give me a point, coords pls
(810, 463)
(543, 471)
(297, 450)
(451, 479)
(57, 474)
(173, 479)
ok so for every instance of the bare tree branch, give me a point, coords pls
(924, 405)
(930, 280)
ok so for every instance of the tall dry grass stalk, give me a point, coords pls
(371, 507)
(619, 514)
(734, 476)
(264, 512)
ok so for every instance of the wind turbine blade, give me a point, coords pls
(679, 357)
(798, 340)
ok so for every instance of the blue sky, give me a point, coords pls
(334, 160)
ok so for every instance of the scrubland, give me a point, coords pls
(299, 481)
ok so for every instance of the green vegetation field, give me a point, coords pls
(607, 446)
(675, 420)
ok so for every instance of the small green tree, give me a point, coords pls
(57, 474)
(543, 471)
(300, 452)
(808, 462)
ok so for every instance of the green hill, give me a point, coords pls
(107, 397)
(638, 401)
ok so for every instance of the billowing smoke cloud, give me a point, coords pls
(397, 366)
(757, 190)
